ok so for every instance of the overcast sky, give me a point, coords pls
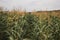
(30, 5)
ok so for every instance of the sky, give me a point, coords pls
(30, 5)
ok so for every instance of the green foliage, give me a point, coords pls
(55, 28)
(30, 27)
(3, 22)
(50, 28)
(9, 23)
(16, 27)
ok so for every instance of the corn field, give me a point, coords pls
(29, 26)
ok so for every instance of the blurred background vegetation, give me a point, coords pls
(40, 25)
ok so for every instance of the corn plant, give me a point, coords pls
(30, 27)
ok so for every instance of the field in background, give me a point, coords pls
(37, 25)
